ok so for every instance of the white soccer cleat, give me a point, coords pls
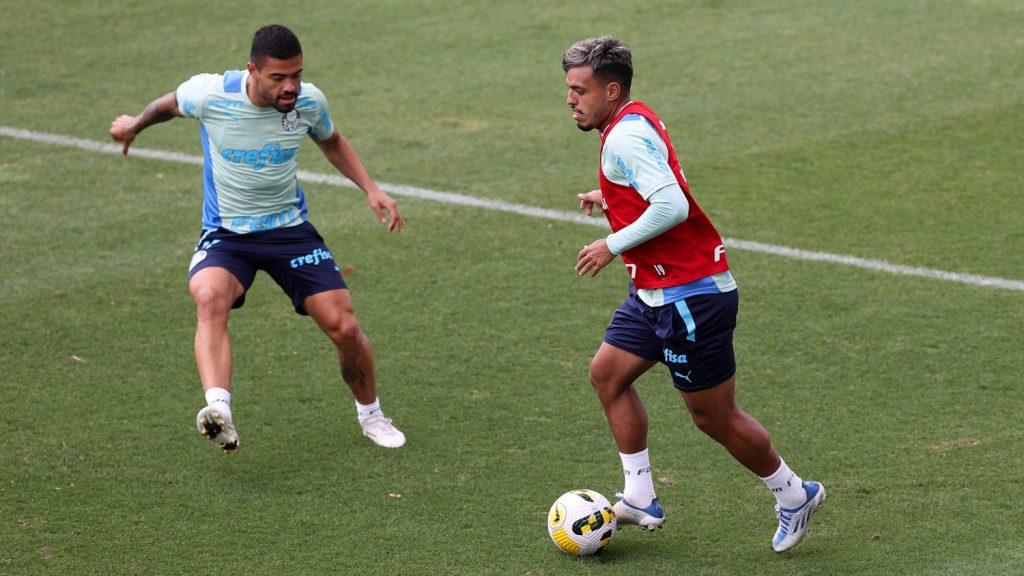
(793, 523)
(650, 518)
(381, 431)
(216, 426)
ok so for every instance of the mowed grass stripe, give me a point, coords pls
(536, 212)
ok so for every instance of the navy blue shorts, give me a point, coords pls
(693, 336)
(295, 257)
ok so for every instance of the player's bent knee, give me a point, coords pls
(607, 386)
(712, 424)
(345, 332)
(599, 377)
(210, 302)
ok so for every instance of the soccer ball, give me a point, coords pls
(581, 522)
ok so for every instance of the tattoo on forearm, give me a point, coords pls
(154, 113)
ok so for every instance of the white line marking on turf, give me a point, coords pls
(522, 209)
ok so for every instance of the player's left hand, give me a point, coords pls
(593, 257)
(381, 203)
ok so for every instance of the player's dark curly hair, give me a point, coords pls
(274, 41)
(609, 58)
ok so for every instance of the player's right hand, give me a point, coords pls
(122, 130)
(588, 200)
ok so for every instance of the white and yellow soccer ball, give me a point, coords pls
(581, 522)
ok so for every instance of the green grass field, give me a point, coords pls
(880, 130)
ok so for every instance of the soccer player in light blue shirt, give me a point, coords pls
(251, 124)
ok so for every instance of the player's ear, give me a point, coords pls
(613, 91)
(250, 67)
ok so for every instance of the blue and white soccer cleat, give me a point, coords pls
(217, 426)
(793, 523)
(650, 518)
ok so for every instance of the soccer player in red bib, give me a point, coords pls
(682, 303)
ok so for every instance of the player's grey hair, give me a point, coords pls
(609, 58)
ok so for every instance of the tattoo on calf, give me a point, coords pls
(353, 375)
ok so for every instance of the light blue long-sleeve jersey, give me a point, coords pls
(634, 155)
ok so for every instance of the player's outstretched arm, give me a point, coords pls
(340, 153)
(125, 128)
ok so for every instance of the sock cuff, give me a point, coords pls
(638, 463)
(365, 410)
(641, 454)
(783, 469)
(218, 395)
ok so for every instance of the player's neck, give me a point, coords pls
(253, 94)
(614, 115)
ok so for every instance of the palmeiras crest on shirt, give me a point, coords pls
(291, 120)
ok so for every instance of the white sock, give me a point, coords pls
(639, 488)
(787, 487)
(221, 398)
(364, 411)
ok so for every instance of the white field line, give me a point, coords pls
(522, 209)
